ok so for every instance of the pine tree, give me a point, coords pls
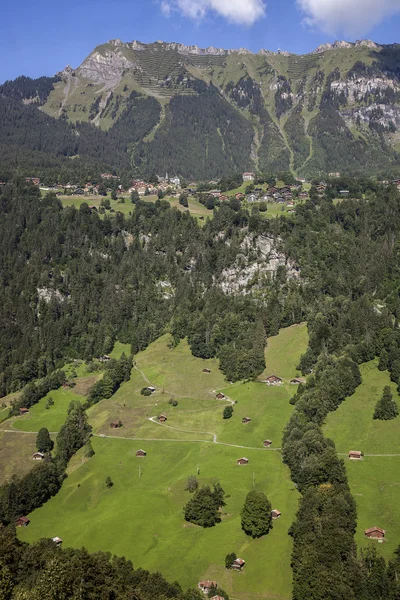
(383, 360)
(256, 514)
(229, 559)
(386, 408)
(44, 442)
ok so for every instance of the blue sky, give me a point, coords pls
(40, 38)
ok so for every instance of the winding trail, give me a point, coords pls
(147, 380)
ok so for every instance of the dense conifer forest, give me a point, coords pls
(72, 283)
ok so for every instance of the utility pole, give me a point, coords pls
(253, 478)
(140, 473)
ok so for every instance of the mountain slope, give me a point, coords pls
(205, 113)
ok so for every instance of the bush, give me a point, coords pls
(173, 402)
(228, 412)
(192, 484)
(145, 392)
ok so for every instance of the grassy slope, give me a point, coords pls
(352, 426)
(51, 418)
(142, 518)
(374, 482)
(15, 454)
(95, 201)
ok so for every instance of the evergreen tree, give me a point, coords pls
(228, 412)
(386, 408)
(256, 514)
(203, 508)
(229, 558)
(383, 360)
(44, 442)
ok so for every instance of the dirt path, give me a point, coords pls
(369, 455)
(147, 380)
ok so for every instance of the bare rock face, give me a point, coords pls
(105, 67)
(258, 261)
(355, 88)
(334, 46)
(384, 115)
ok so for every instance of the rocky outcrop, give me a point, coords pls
(106, 67)
(258, 261)
(384, 115)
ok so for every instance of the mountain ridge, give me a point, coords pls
(205, 113)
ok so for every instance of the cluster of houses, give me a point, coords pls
(275, 380)
(285, 195)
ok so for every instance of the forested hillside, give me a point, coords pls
(72, 283)
(145, 109)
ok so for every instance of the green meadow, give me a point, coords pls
(374, 481)
(16, 451)
(52, 418)
(352, 426)
(141, 515)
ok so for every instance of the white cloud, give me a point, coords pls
(244, 12)
(166, 8)
(351, 17)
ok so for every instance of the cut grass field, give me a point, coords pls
(374, 481)
(141, 517)
(16, 451)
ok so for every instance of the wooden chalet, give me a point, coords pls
(33, 180)
(206, 370)
(238, 564)
(105, 358)
(23, 411)
(220, 396)
(162, 418)
(116, 424)
(267, 443)
(57, 541)
(242, 461)
(355, 455)
(246, 420)
(375, 533)
(275, 514)
(206, 586)
(273, 380)
(37, 456)
(22, 522)
(217, 598)
(140, 453)
(151, 389)
(297, 381)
